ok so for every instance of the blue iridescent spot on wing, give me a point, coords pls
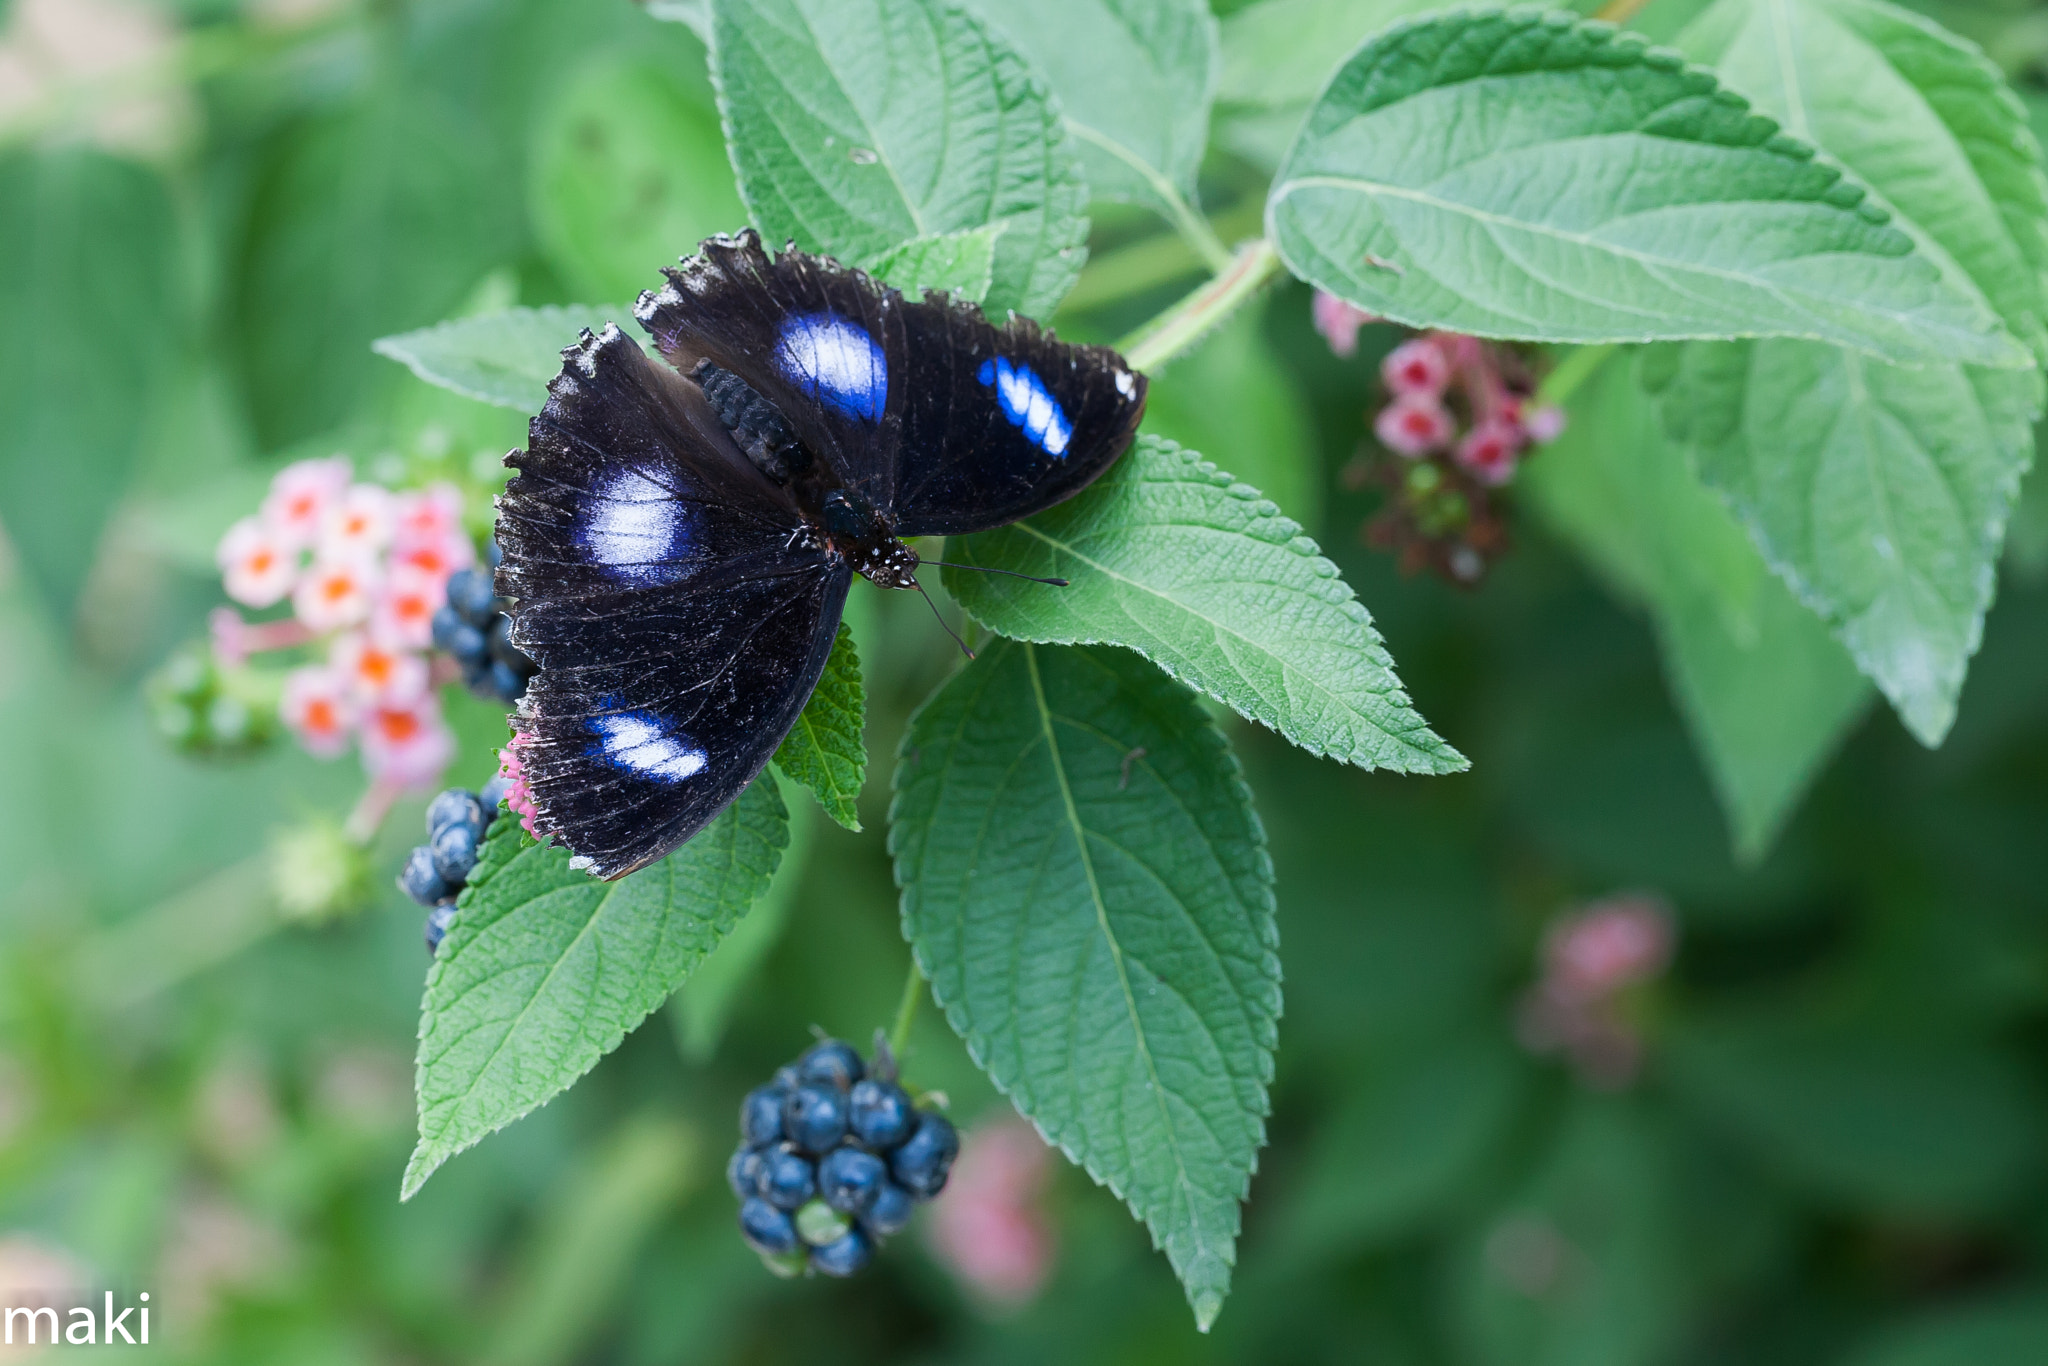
(634, 527)
(640, 743)
(836, 362)
(1028, 404)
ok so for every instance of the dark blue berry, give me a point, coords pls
(889, 1212)
(447, 624)
(761, 1114)
(844, 1257)
(767, 1229)
(743, 1173)
(454, 853)
(470, 593)
(492, 796)
(849, 1178)
(830, 1063)
(438, 921)
(456, 806)
(880, 1114)
(505, 682)
(421, 881)
(814, 1117)
(786, 1179)
(467, 645)
(921, 1164)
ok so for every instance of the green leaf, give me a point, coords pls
(961, 263)
(857, 126)
(1764, 689)
(629, 173)
(1171, 557)
(693, 14)
(1521, 174)
(87, 289)
(546, 969)
(1134, 78)
(1880, 493)
(826, 749)
(503, 358)
(2008, 1331)
(1281, 53)
(1087, 889)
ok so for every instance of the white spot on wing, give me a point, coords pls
(635, 741)
(634, 526)
(837, 362)
(1125, 385)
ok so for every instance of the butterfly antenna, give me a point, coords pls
(984, 569)
(942, 618)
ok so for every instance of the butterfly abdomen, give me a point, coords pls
(761, 432)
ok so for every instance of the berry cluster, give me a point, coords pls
(205, 710)
(472, 627)
(832, 1158)
(435, 872)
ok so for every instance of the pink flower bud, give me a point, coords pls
(300, 496)
(518, 797)
(1545, 424)
(1338, 322)
(987, 1228)
(1412, 425)
(257, 565)
(335, 594)
(1490, 450)
(1417, 366)
(318, 709)
(1609, 945)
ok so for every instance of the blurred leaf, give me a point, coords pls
(696, 14)
(1232, 399)
(1407, 194)
(1583, 1267)
(368, 222)
(961, 263)
(1087, 890)
(1901, 1125)
(588, 1238)
(1765, 690)
(629, 173)
(2026, 536)
(1880, 493)
(88, 289)
(826, 749)
(2012, 1332)
(859, 126)
(1283, 52)
(546, 969)
(504, 358)
(1134, 79)
(1172, 558)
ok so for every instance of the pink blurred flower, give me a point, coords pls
(1338, 322)
(434, 559)
(1545, 425)
(335, 593)
(1416, 366)
(357, 525)
(427, 516)
(1412, 425)
(378, 674)
(987, 1227)
(403, 613)
(317, 708)
(518, 796)
(408, 746)
(257, 565)
(1490, 449)
(300, 496)
(1609, 945)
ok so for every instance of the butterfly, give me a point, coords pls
(684, 526)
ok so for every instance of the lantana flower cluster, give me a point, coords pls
(363, 569)
(1585, 1004)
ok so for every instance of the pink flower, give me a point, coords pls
(987, 1227)
(427, 516)
(1413, 424)
(404, 610)
(257, 565)
(1338, 322)
(518, 796)
(357, 525)
(408, 746)
(300, 496)
(1545, 425)
(1417, 366)
(317, 708)
(335, 594)
(1609, 945)
(435, 559)
(1489, 450)
(378, 674)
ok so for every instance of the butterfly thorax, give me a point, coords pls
(852, 528)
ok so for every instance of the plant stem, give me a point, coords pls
(1181, 326)
(1575, 369)
(906, 1010)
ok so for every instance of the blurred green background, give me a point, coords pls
(208, 208)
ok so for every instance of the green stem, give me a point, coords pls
(1181, 326)
(906, 1010)
(1575, 369)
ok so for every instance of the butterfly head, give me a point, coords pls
(855, 530)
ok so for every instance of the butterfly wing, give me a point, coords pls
(678, 621)
(1002, 422)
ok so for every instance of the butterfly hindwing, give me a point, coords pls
(678, 623)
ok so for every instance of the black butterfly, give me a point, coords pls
(682, 531)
